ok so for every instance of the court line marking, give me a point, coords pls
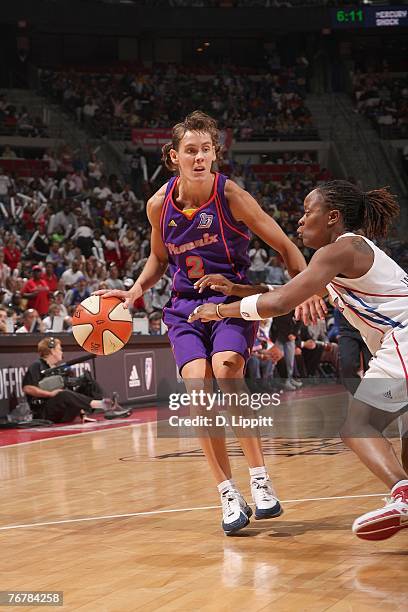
(75, 435)
(171, 511)
(87, 433)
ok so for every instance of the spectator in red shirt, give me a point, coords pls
(37, 292)
(12, 253)
(50, 277)
(113, 251)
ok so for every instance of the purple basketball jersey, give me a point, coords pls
(208, 241)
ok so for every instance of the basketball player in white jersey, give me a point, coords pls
(371, 289)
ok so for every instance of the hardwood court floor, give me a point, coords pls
(122, 521)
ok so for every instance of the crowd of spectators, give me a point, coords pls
(283, 198)
(64, 234)
(19, 121)
(383, 98)
(267, 106)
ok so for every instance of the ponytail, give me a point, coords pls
(372, 211)
(380, 208)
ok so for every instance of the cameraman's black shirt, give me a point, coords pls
(33, 376)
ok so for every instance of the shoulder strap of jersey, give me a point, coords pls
(169, 189)
(346, 235)
(170, 186)
(352, 234)
(226, 216)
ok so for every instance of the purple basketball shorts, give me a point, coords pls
(199, 340)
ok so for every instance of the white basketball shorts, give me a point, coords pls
(385, 384)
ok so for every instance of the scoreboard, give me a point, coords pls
(369, 17)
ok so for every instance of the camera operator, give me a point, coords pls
(59, 405)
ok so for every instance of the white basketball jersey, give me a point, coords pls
(375, 303)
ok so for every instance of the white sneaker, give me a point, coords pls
(296, 383)
(387, 521)
(235, 512)
(288, 386)
(266, 503)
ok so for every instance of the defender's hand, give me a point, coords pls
(216, 282)
(204, 313)
(311, 310)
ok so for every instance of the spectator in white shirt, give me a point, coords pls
(274, 272)
(4, 269)
(5, 184)
(89, 109)
(113, 281)
(65, 219)
(161, 293)
(102, 192)
(31, 323)
(258, 258)
(72, 274)
(98, 247)
(127, 193)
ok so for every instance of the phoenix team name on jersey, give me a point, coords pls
(189, 246)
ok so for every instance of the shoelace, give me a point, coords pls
(226, 502)
(264, 487)
(397, 498)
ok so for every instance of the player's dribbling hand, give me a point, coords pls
(216, 282)
(311, 310)
(128, 297)
(205, 313)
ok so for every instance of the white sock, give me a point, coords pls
(226, 485)
(401, 483)
(258, 472)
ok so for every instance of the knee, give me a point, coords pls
(228, 369)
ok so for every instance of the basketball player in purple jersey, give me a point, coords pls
(200, 222)
(371, 290)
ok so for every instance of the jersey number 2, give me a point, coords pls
(195, 265)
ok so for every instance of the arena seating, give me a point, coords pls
(268, 105)
(383, 98)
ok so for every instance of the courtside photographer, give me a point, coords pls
(51, 398)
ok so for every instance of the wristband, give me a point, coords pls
(248, 309)
(271, 287)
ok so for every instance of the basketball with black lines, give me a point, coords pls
(101, 325)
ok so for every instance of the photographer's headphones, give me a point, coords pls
(52, 343)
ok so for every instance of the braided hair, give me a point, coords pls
(372, 211)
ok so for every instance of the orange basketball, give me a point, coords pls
(101, 325)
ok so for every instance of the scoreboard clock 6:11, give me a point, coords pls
(349, 17)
